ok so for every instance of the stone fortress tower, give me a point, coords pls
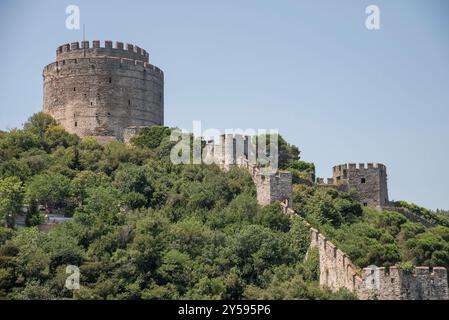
(369, 181)
(103, 91)
(235, 150)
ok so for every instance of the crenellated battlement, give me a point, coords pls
(394, 283)
(431, 272)
(114, 62)
(339, 169)
(337, 271)
(369, 180)
(99, 49)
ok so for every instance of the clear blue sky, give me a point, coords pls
(308, 68)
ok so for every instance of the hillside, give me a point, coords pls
(371, 237)
(143, 228)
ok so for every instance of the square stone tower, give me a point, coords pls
(369, 181)
(272, 187)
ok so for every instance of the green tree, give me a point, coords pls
(15, 168)
(256, 248)
(272, 217)
(17, 141)
(431, 247)
(57, 136)
(38, 123)
(132, 178)
(151, 137)
(49, 189)
(85, 180)
(11, 197)
(102, 201)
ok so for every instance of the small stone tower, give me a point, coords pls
(275, 186)
(102, 90)
(236, 150)
(370, 182)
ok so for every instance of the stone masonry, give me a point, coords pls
(272, 185)
(102, 90)
(369, 181)
(337, 271)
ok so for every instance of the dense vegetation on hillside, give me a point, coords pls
(142, 227)
(370, 237)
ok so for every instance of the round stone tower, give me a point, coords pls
(101, 91)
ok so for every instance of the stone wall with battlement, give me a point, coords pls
(101, 90)
(95, 49)
(235, 150)
(422, 283)
(337, 271)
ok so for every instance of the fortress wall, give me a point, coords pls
(425, 284)
(337, 271)
(263, 186)
(395, 284)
